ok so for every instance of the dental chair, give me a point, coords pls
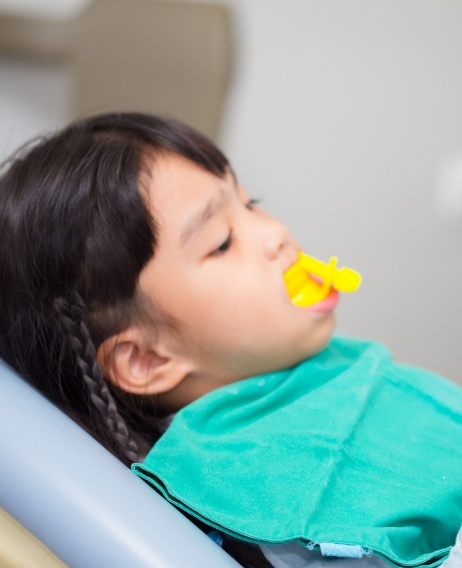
(66, 499)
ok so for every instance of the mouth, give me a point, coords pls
(305, 289)
(327, 305)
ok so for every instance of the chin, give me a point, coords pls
(322, 337)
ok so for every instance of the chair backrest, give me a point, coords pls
(79, 500)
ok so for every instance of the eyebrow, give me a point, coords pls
(197, 221)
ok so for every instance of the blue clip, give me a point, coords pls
(339, 550)
(343, 550)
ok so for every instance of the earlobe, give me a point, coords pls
(136, 365)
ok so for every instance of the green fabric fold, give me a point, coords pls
(345, 448)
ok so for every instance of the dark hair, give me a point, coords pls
(75, 234)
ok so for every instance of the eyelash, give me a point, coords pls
(251, 203)
(227, 244)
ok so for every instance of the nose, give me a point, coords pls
(276, 238)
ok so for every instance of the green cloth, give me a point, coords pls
(346, 448)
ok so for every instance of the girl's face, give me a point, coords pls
(218, 272)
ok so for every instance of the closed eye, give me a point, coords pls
(225, 245)
(252, 203)
(228, 243)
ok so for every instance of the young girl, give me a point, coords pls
(137, 278)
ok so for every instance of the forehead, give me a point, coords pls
(178, 189)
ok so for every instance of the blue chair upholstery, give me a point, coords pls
(79, 500)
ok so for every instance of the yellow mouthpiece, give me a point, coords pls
(309, 280)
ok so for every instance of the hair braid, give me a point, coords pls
(83, 349)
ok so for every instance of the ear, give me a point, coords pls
(139, 364)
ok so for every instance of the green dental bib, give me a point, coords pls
(345, 448)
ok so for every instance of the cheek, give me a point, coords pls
(221, 320)
(220, 307)
(251, 309)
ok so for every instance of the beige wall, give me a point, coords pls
(171, 58)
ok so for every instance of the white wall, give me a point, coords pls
(34, 98)
(47, 9)
(341, 117)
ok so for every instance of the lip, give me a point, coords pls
(327, 305)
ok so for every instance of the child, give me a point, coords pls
(137, 278)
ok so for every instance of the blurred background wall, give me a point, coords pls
(346, 119)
